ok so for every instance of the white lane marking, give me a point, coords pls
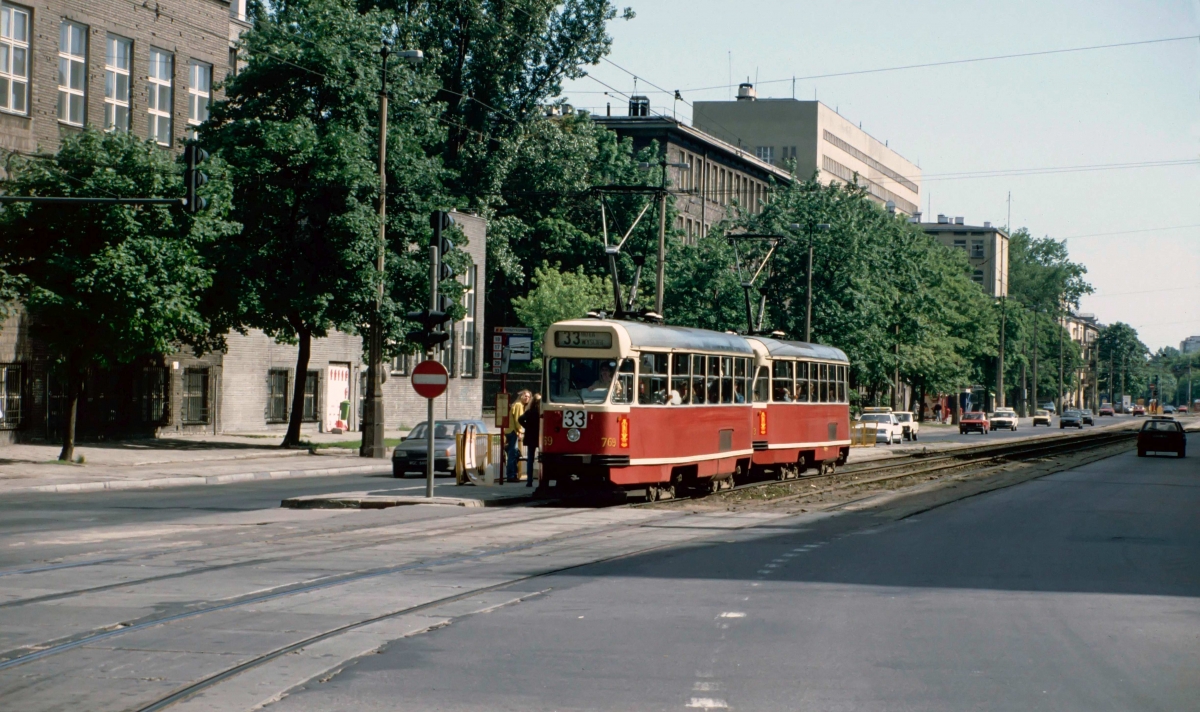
(732, 614)
(707, 703)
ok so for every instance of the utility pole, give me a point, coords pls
(373, 444)
(897, 401)
(1061, 365)
(1024, 399)
(808, 288)
(662, 246)
(1000, 360)
(1034, 392)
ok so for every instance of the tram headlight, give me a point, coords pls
(573, 435)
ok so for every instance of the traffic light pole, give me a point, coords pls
(373, 444)
(433, 305)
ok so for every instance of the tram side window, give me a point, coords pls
(781, 383)
(652, 380)
(680, 375)
(727, 379)
(802, 381)
(841, 384)
(714, 379)
(762, 385)
(824, 382)
(623, 390)
(739, 380)
(698, 388)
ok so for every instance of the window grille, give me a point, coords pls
(72, 73)
(195, 395)
(153, 394)
(10, 396)
(14, 60)
(117, 67)
(160, 94)
(277, 388)
(310, 397)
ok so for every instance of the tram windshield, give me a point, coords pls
(589, 380)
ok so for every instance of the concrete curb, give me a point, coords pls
(364, 500)
(197, 480)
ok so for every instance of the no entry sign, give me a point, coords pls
(429, 379)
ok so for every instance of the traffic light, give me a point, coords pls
(430, 335)
(193, 177)
(441, 221)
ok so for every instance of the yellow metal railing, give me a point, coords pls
(863, 436)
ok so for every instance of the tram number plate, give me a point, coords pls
(575, 419)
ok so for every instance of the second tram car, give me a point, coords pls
(630, 405)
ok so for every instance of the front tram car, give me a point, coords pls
(632, 406)
(801, 409)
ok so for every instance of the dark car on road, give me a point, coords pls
(975, 421)
(1161, 435)
(1087, 416)
(411, 454)
(1071, 419)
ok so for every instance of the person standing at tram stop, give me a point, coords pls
(514, 432)
(532, 422)
(937, 412)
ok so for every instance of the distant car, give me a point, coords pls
(973, 421)
(1182, 409)
(1071, 418)
(1049, 406)
(908, 424)
(1137, 410)
(412, 453)
(1041, 417)
(1107, 409)
(1161, 435)
(1004, 419)
(1087, 417)
(1168, 410)
(887, 429)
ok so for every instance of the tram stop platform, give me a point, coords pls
(507, 495)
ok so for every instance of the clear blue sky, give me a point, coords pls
(1121, 105)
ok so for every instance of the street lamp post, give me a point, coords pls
(373, 439)
(662, 232)
(823, 227)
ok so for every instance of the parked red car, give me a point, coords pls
(1161, 435)
(975, 421)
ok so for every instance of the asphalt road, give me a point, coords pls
(1077, 591)
(1025, 428)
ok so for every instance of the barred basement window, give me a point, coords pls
(195, 395)
(310, 397)
(72, 73)
(153, 394)
(277, 388)
(10, 396)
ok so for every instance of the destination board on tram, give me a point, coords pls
(583, 339)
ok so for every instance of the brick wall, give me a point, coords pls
(188, 29)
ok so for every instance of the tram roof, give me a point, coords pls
(778, 348)
(682, 338)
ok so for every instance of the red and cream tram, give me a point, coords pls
(631, 405)
(801, 409)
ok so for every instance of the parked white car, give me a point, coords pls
(887, 429)
(908, 424)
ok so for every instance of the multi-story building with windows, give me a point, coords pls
(152, 70)
(986, 247)
(814, 139)
(719, 177)
(1190, 345)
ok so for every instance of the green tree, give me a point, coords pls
(1119, 345)
(558, 296)
(299, 129)
(106, 285)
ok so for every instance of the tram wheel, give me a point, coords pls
(651, 493)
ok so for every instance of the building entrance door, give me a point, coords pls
(337, 397)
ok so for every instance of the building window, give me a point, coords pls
(765, 153)
(159, 94)
(195, 395)
(961, 244)
(977, 277)
(153, 394)
(468, 368)
(14, 60)
(72, 73)
(310, 397)
(10, 396)
(277, 391)
(117, 65)
(976, 249)
(199, 94)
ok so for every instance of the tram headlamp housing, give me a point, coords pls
(573, 435)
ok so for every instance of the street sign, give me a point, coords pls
(429, 379)
(517, 339)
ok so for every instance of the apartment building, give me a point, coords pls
(720, 177)
(986, 247)
(1084, 389)
(1190, 345)
(814, 138)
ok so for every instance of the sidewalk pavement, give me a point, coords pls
(178, 462)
